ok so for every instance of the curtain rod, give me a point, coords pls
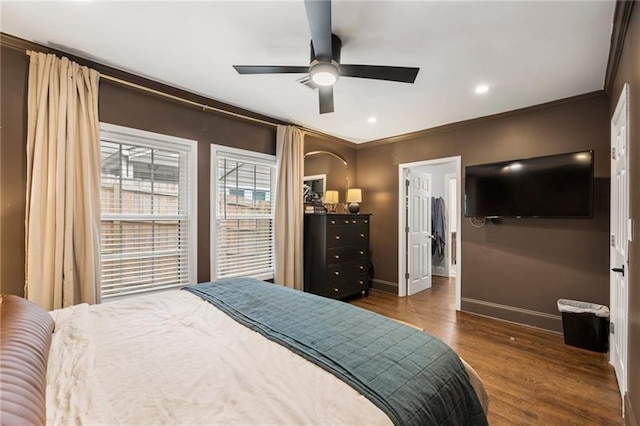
(204, 107)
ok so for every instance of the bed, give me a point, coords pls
(230, 352)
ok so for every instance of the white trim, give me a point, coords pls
(213, 196)
(241, 154)
(402, 241)
(402, 287)
(262, 157)
(127, 135)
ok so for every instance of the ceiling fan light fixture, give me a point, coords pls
(324, 74)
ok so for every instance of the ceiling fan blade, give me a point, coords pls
(319, 17)
(376, 72)
(326, 99)
(269, 69)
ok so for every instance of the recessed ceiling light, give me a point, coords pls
(482, 88)
(371, 120)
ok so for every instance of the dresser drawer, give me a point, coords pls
(348, 236)
(339, 289)
(347, 221)
(346, 254)
(338, 271)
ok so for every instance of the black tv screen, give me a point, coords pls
(551, 186)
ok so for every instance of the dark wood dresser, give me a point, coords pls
(336, 254)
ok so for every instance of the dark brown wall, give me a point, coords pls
(126, 107)
(629, 71)
(13, 166)
(518, 264)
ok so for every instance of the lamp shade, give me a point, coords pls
(354, 195)
(331, 197)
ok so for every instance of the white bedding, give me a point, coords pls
(172, 358)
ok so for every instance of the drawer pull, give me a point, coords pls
(337, 273)
(361, 267)
(337, 256)
(337, 237)
(333, 222)
(354, 221)
(366, 221)
(360, 282)
(362, 252)
(362, 235)
(346, 221)
(336, 290)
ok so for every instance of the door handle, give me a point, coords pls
(620, 270)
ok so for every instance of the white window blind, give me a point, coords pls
(148, 211)
(242, 213)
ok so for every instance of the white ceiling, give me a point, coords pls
(527, 52)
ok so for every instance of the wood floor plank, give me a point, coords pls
(531, 376)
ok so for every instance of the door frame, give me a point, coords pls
(447, 197)
(622, 108)
(402, 266)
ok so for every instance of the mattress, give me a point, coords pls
(173, 358)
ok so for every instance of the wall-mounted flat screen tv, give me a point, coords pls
(551, 186)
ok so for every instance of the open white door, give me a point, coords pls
(419, 232)
(620, 235)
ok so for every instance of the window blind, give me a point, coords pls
(147, 214)
(243, 229)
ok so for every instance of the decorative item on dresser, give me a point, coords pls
(354, 198)
(336, 254)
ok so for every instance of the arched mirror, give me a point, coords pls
(326, 171)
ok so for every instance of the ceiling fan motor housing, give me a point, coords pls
(336, 47)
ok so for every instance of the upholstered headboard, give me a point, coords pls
(25, 337)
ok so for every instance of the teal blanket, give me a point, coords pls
(413, 377)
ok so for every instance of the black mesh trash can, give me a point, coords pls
(585, 325)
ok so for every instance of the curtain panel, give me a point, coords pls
(289, 207)
(63, 193)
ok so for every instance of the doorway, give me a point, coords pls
(442, 172)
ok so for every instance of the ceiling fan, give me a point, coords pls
(325, 67)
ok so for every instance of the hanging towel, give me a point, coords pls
(438, 227)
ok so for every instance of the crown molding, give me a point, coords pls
(16, 43)
(621, 19)
(474, 121)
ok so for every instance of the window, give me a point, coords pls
(242, 205)
(148, 211)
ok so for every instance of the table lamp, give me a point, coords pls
(354, 197)
(331, 198)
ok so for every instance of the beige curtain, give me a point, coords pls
(289, 206)
(63, 171)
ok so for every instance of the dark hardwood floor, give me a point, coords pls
(531, 376)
